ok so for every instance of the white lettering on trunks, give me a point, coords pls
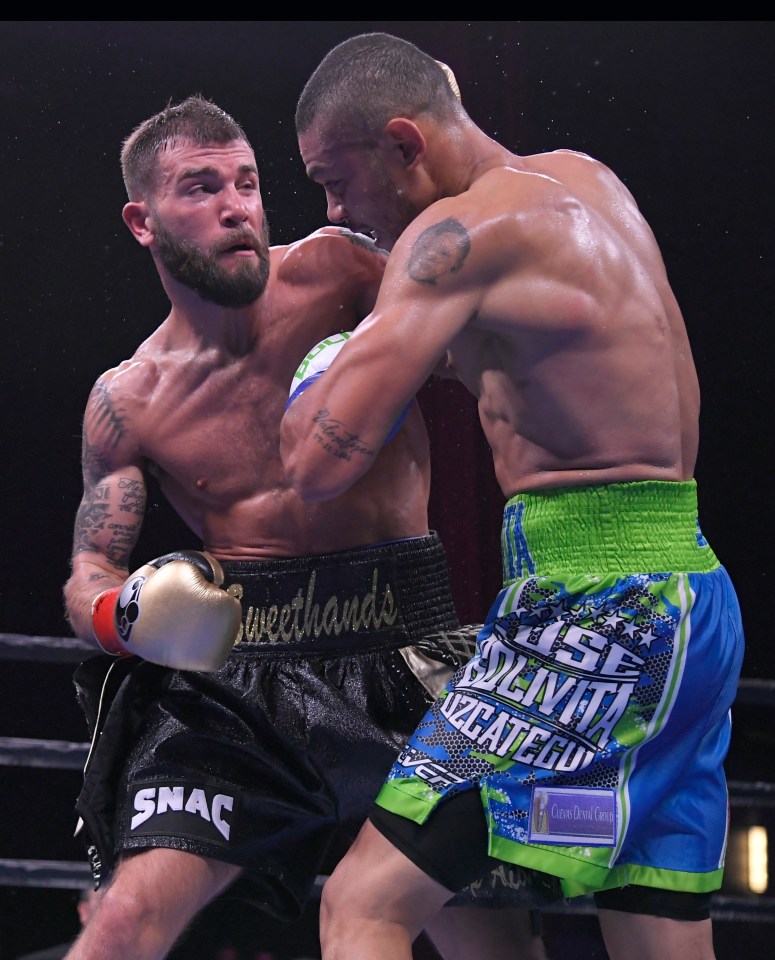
(428, 770)
(585, 678)
(150, 801)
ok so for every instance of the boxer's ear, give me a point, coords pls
(409, 139)
(137, 217)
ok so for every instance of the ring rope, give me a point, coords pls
(69, 755)
(17, 646)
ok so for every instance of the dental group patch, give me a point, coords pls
(578, 816)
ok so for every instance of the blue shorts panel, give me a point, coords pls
(594, 720)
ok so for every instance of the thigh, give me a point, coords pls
(375, 881)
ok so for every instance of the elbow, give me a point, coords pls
(311, 485)
(313, 472)
(308, 483)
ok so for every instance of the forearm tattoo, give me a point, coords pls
(337, 441)
(97, 528)
(89, 523)
(439, 250)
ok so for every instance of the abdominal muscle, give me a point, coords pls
(594, 428)
(279, 525)
(584, 452)
(256, 519)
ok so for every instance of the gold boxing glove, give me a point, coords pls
(171, 611)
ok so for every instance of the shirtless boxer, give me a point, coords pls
(586, 736)
(264, 756)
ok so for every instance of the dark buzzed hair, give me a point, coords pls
(367, 80)
(195, 119)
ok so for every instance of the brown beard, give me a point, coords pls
(200, 270)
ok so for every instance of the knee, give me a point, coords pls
(342, 911)
(124, 910)
(131, 922)
(331, 904)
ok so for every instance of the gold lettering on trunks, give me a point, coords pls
(306, 617)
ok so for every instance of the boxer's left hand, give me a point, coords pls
(317, 361)
(315, 364)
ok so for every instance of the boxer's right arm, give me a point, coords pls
(171, 611)
(112, 507)
(107, 527)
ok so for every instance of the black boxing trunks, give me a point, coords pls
(272, 762)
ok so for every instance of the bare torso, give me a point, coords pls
(206, 420)
(539, 280)
(577, 351)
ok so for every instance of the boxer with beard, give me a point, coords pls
(246, 698)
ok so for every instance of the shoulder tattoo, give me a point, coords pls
(108, 418)
(439, 250)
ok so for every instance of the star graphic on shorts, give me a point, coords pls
(629, 628)
(647, 639)
(553, 611)
(610, 619)
(592, 613)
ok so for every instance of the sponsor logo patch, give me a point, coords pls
(178, 809)
(128, 606)
(573, 815)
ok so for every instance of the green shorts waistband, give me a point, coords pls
(648, 526)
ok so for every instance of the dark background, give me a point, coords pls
(681, 110)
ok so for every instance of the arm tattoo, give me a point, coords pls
(121, 542)
(94, 463)
(111, 420)
(336, 440)
(97, 577)
(439, 250)
(89, 522)
(133, 496)
(95, 522)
